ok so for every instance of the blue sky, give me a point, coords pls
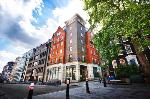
(25, 24)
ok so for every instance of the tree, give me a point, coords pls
(118, 18)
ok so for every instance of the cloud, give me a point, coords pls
(15, 25)
(15, 12)
(16, 17)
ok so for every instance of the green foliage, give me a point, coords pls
(126, 71)
(119, 18)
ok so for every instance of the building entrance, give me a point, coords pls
(83, 72)
(70, 72)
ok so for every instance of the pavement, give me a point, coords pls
(97, 91)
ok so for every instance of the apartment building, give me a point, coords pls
(37, 63)
(7, 70)
(72, 53)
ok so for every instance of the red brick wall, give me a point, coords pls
(91, 53)
(58, 43)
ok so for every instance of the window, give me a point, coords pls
(53, 53)
(61, 51)
(58, 33)
(91, 51)
(70, 34)
(81, 34)
(83, 58)
(82, 49)
(58, 40)
(82, 41)
(132, 62)
(92, 60)
(62, 38)
(53, 47)
(81, 27)
(94, 53)
(53, 60)
(95, 60)
(61, 59)
(61, 44)
(71, 41)
(70, 49)
(35, 63)
(128, 49)
(70, 56)
(70, 28)
(56, 53)
(57, 46)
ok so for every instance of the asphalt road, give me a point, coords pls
(20, 91)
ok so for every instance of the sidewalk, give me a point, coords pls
(99, 92)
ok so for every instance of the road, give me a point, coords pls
(20, 91)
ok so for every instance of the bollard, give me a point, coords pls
(100, 80)
(31, 87)
(104, 82)
(87, 86)
(67, 89)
